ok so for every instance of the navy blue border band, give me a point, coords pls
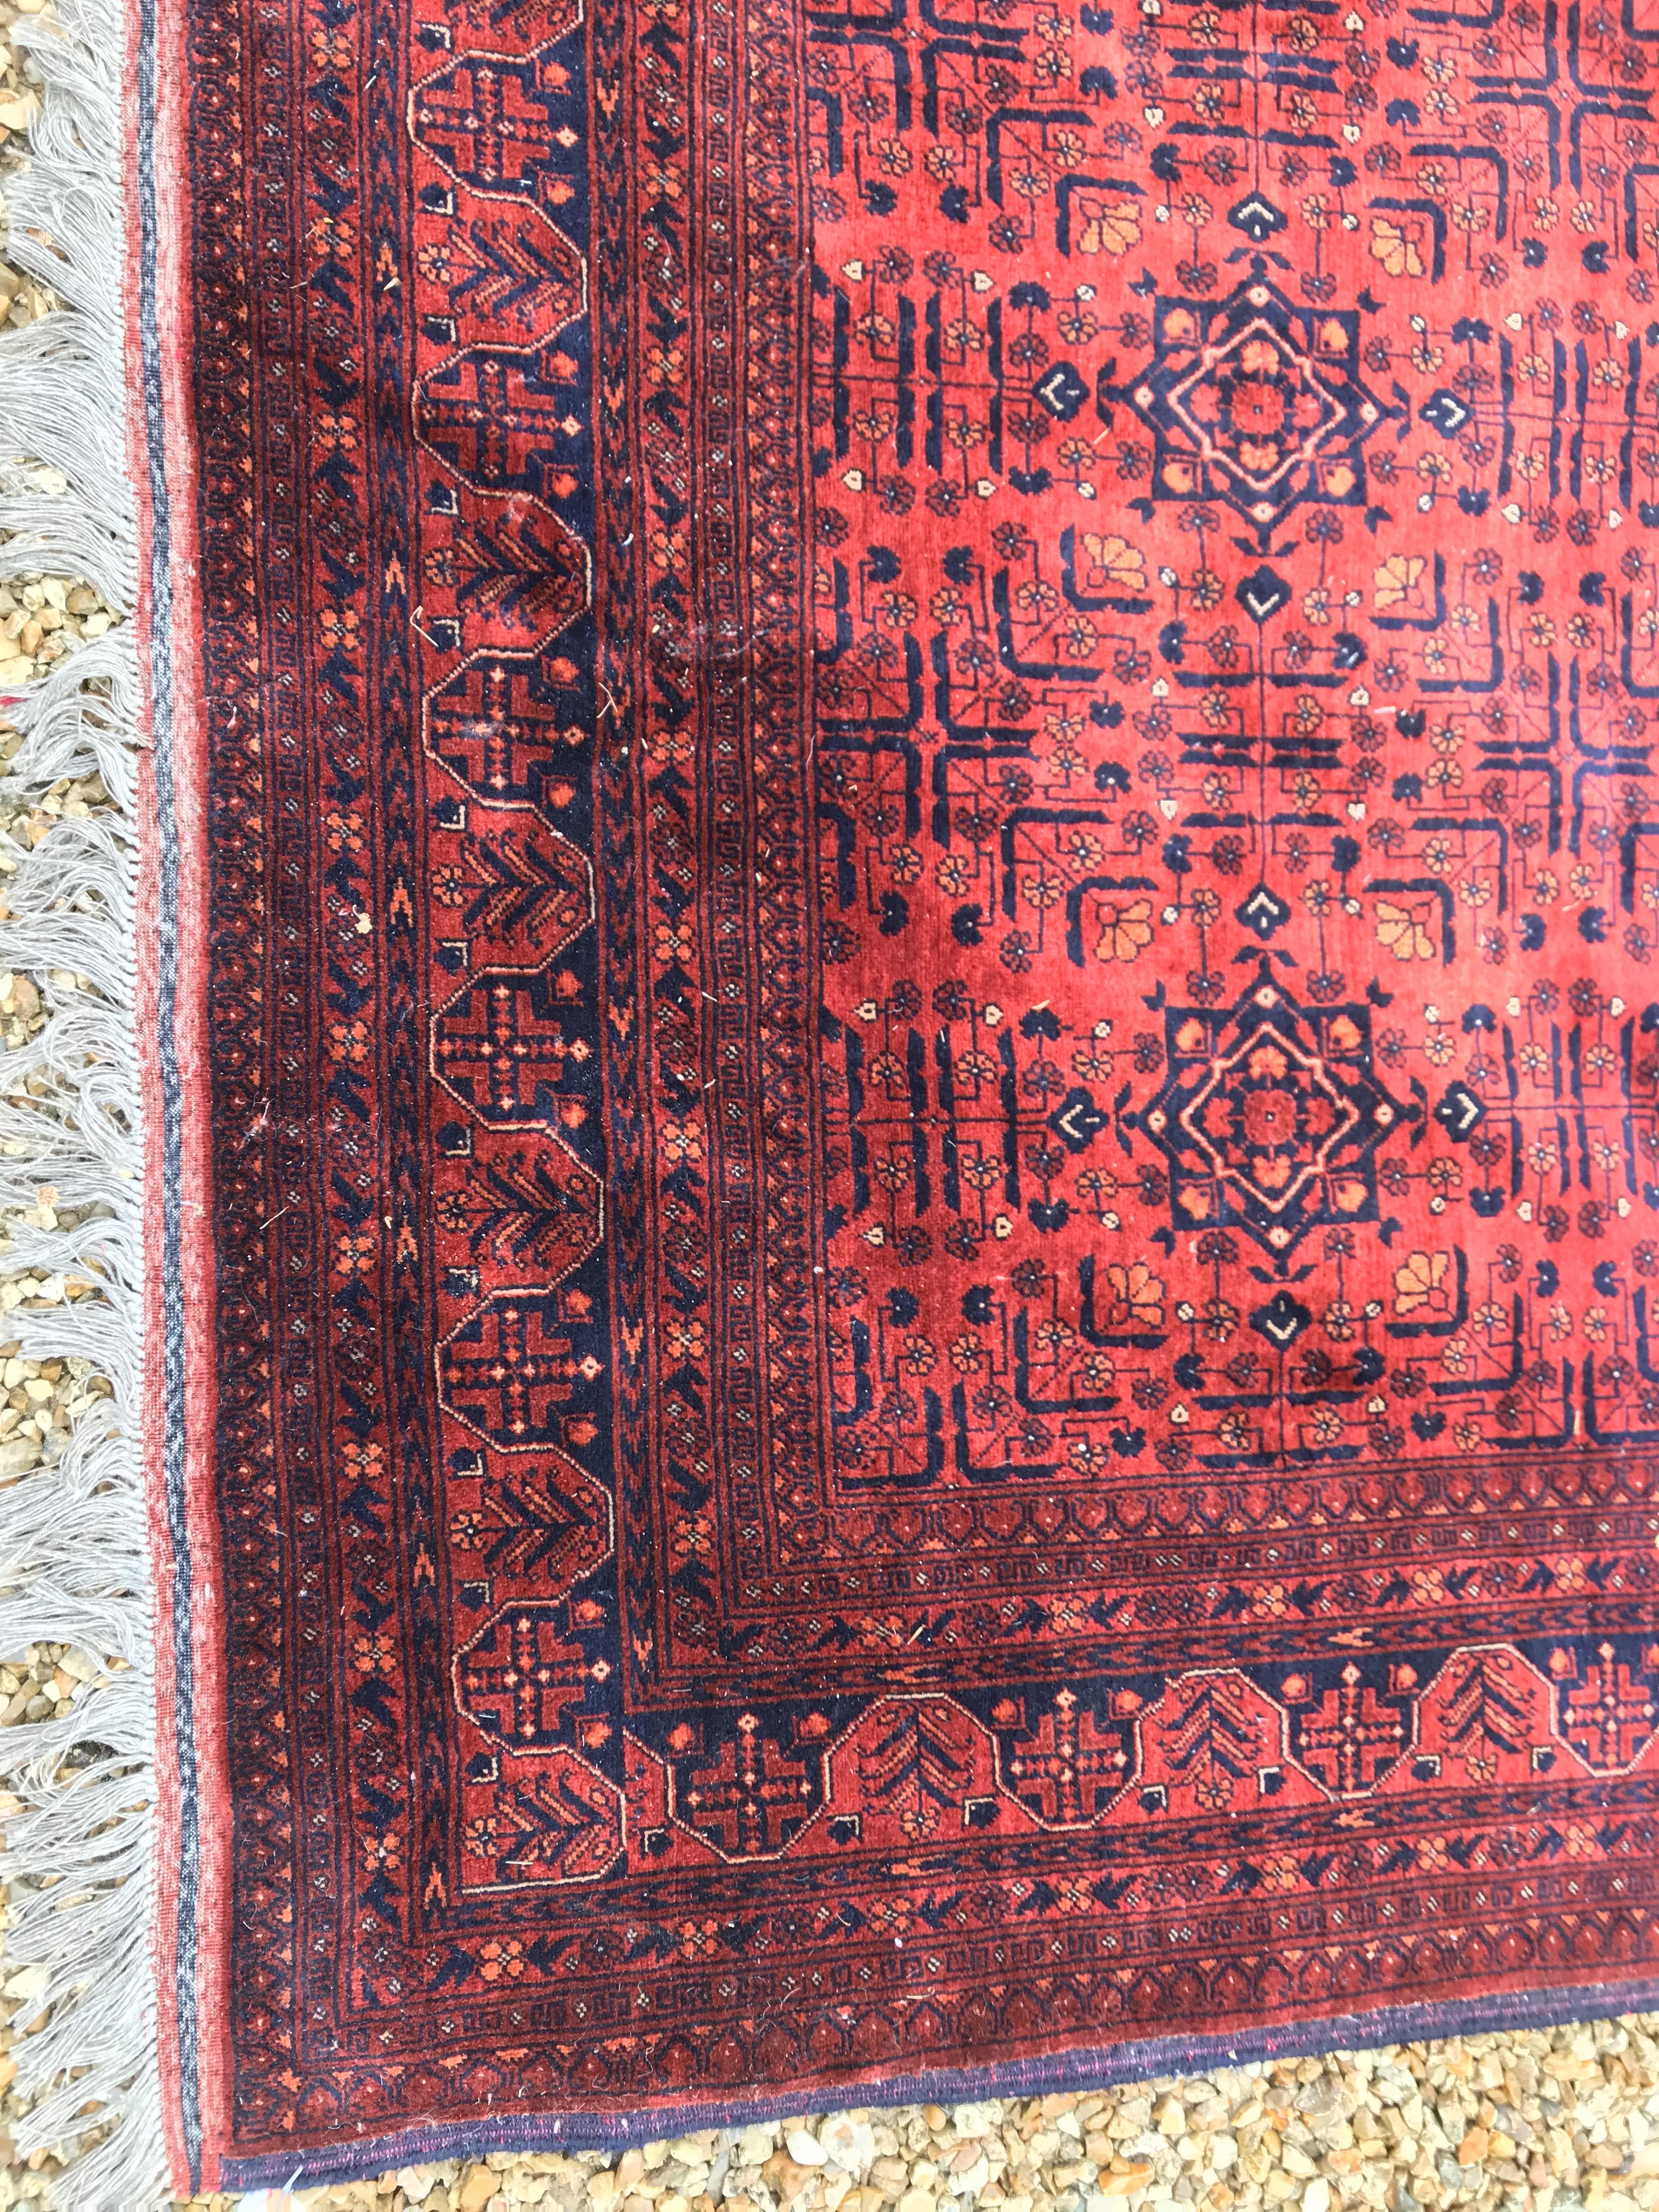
(1086, 2069)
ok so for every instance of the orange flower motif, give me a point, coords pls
(682, 1141)
(375, 1654)
(349, 1040)
(382, 1854)
(340, 628)
(356, 1252)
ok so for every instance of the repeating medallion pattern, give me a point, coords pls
(934, 978)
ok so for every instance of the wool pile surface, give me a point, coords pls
(901, 1046)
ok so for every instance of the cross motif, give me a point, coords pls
(1065, 1770)
(752, 1799)
(508, 1375)
(1350, 1740)
(494, 725)
(492, 735)
(500, 1047)
(1609, 1717)
(489, 416)
(490, 121)
(518, 1676)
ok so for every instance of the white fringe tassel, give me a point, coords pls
(73, 1547)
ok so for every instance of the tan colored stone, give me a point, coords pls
(1126, 2181)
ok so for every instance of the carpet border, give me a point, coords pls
(1100, 2067)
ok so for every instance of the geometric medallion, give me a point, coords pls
(1256, 401)
(1270, 1115)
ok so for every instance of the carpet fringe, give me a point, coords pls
(74, 1564)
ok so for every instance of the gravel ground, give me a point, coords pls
(1541, 2121)
(1563, 2120)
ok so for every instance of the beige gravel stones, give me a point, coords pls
(42, 619)
(20, 84)
(41, 1684)
(22, 299)
(1537, 2120)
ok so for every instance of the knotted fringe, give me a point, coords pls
(73, 1565)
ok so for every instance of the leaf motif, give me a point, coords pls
(1402, 932)
(1137, 1295)
(1417, 1281)
(1109, 226)
(1396, 577)
(1118, 561)
(1125, 931)
(1390, 246)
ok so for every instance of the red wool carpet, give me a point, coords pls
(905, 1078)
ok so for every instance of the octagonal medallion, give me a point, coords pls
(1270, 1115)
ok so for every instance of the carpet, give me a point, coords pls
(894, 925)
